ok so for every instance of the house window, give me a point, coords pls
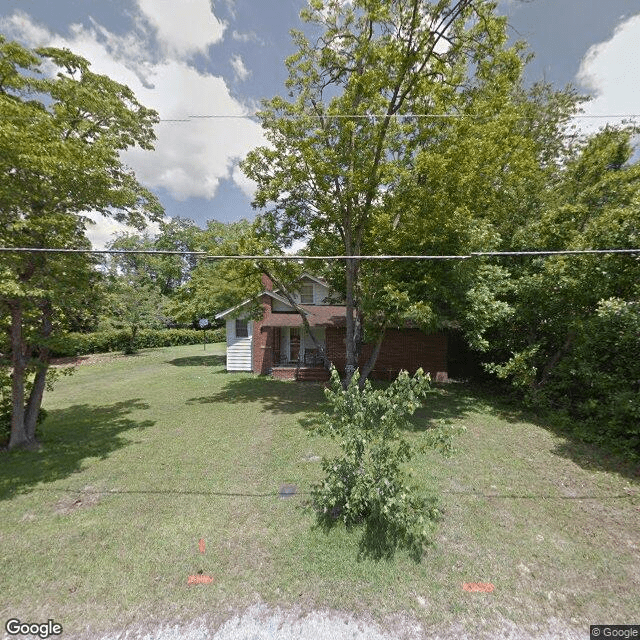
(242, 329)
(306, 293)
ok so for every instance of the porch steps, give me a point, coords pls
(302, 374)
(307, 374)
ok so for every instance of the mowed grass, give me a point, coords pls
(146, 455)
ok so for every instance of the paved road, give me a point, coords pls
(261, 623)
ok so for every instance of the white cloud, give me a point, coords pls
(247, 186)
(190, 158)
(184, 27)
(242, 72)
(611, 72)
(20, 23)
(250, 36)
(105, 229)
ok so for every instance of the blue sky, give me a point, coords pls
(197, 57)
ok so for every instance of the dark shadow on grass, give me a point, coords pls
(276, 396)
(68, 437)
(199, 361)
(593, 457)
(380, 538)
(444, 403)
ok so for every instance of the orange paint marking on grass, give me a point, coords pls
(484, 587)
(199, 579)
(201, 545)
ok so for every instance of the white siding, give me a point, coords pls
(320, 292)
(238, 349)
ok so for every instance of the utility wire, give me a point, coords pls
(207, 256)
(375, 116)
(110, 251)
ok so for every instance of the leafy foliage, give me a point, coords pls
(164, 272)
(561, 328)
(61, 136)
(598, 384)
(368, 485)
(133, 305)
(75, 344)
(217, 285)
(343, 149)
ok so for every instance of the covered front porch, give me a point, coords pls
(295, 355)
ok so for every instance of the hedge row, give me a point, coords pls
(77, 344)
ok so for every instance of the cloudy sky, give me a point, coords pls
(189, 58)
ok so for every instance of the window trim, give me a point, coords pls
(307, 284)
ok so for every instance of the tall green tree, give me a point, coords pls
(166, 272)
(347, 137)
(213, 286)
(594, 206)
(132, 303)
(480, 180)
(568, 335)
(60, 139)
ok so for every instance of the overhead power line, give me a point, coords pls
(112, 251)
(365, 116)
(207, 256)
(376, 116)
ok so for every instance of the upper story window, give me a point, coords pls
(242, 328)
(306, 293)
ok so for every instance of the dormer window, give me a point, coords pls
(306, 293)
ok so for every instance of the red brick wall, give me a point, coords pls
(284, 374)
(266, 282)
(262, 340)
(401, 349)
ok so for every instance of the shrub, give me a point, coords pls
(598, 383)
(367, 485)
(73, 344)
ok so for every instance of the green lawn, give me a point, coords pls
(146, 455)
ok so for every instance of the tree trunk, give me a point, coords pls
(35, 402)
(351, 347)
(131, 349)
(370, 363)
(18, 437)
(39, 384)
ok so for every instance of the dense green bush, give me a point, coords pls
(73, 344)
(598, 383)
(368, 485)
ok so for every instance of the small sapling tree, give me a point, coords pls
(368, 484)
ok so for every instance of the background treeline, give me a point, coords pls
(77, 344)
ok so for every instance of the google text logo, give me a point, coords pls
(43, 630)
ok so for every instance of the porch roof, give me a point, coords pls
(317, 316)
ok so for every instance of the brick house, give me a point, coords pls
(278, 343)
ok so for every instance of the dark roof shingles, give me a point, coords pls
(317, 315)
